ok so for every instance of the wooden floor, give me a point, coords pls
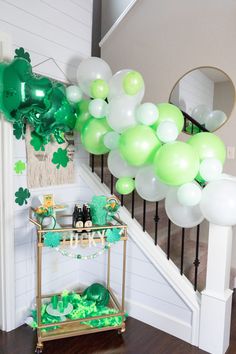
(139, 338)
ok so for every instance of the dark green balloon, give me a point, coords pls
(97, 292)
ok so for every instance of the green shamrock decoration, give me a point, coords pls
(38, 142)
(113, 235)
(60, 158)
(20, 53)
(18, 130)
(52, 239)
(19, 167)
(22, 195)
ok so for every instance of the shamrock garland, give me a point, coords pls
(60, 158)
(38, 142)
(52, 239)
(19, 130)
(113, 235)
(22, 195)
(19, 167)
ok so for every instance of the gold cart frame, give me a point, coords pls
(70, 328)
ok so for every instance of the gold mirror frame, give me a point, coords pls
(206, 67)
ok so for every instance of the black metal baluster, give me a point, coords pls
(122, 199)
(112, 184)
(168, 240)
(185, 124)
(182, 252)
(144, 215)
(132, 205)
(92, 162)
(196, 261)
(102, 168)
(156, 219)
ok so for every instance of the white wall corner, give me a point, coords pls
(156, 256)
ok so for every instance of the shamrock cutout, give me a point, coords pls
(52, 239)
(60, 158)
(19, 167)
(113, 235)
(18, 130)
(22, 195)
(20, 53)
(38, 141)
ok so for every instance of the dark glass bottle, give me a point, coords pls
(87, 216)
(78, 221)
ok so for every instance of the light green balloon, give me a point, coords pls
(133, 83)
(99, 89)
(208, 145)
(168, 111)
(176, 163)
(138, 145)
(82, 114)
(125, 185)
(92, 135)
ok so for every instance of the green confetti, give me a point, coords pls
(19, 167)
(21, 53)
(52, 239)
(22, 195)
(60, 158)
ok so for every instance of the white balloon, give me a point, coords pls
(210, 169)
(91, 69)
(147, 113)
(214, 120)
(189, 194)
(218, 204)
(119, 167)
(167, 131)
(74, 94)
(98, 108)
(116, 87)
(183, 216)
(200, 113)
(148, 186)
(111, 140)
(121, 113)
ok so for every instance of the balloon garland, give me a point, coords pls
(140, 138)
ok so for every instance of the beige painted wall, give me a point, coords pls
(166, 38)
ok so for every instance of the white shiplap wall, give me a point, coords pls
(46, 29)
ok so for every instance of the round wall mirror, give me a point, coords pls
(205, 94)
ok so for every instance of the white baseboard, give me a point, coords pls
(159, 320)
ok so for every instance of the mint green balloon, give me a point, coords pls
(99, 89)
(138, 145)
(208, 145)
(133, 83)
(92, 135)
(176, 163)
(168, 111)
(125, 185)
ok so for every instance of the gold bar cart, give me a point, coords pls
(70, 328)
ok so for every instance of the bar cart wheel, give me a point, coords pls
(122, 329)
(39, 349)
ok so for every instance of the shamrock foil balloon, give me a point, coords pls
(20, 91)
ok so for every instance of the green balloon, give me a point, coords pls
(176, 163)
(168, 111)
(82, 114)
(125, 185)
(99, 89)
(133, 83)
(208, 145)
(92, 135)
(138, 145)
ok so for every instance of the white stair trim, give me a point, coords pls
(117, 23)
(156, 256)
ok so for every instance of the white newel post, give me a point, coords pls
(217, 297)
